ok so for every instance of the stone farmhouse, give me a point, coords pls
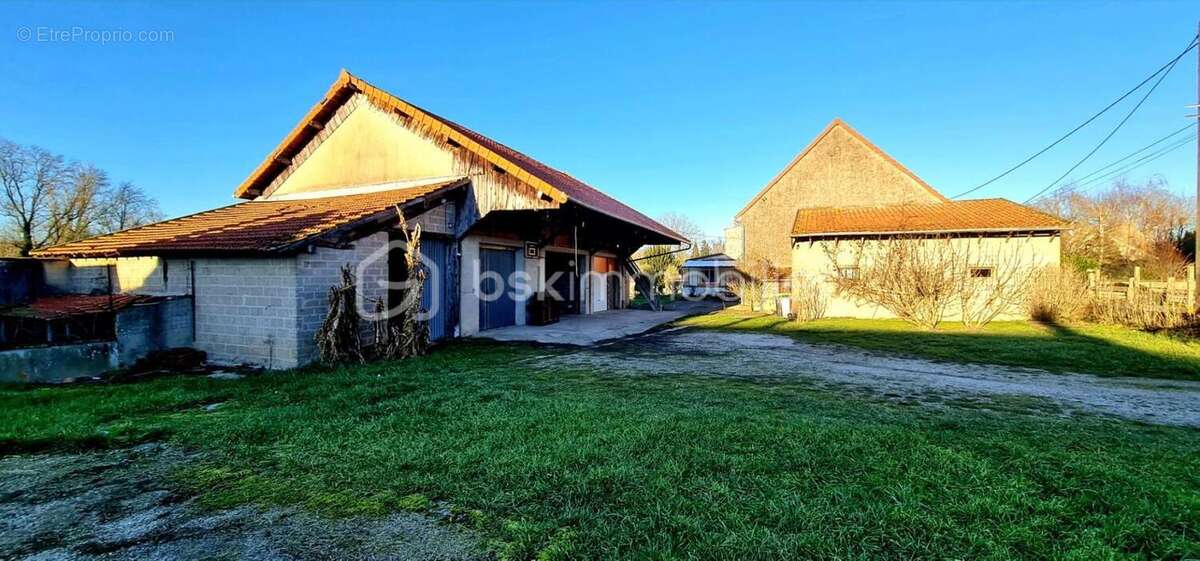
(843, 191)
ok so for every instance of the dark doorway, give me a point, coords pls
(562, 277)
(436, 294)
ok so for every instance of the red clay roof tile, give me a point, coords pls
(69, 305)
(260, 226)
(980, 215)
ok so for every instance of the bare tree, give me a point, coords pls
(74, 208)
(996, 282)
(909, 276)
(127, 207)
(1124, 225)
(809, 300)
(48, 201)
(682, 225)
(31, 178)
(924, 279)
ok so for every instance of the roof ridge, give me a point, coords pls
(838, 122)
(521, 166)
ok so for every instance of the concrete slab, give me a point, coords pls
(587, 330)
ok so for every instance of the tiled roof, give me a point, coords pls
(260, 226)
(554, 183)
(68, 305)
(982, 215)
(581, 193)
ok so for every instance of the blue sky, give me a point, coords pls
(668, 106)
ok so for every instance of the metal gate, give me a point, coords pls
(496, 305)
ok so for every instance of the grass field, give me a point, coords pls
(587, 465)
(1095, 349)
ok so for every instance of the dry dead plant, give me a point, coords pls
(925, 279)
(809, 301)
(908, 276)
(401, 333)
(338, 340)
(1059, 295)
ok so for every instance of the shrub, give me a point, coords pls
(1148, 311)
(924, 279)
(809, 301)
(1059, 295)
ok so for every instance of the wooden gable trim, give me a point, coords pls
(345, 87)
(838, 123)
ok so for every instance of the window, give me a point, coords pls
(981, 272)
(848, 272)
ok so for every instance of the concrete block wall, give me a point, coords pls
(319, 271)
(152, 276)
(161, 325)
(246, 311)
(261, 311)
(437, 220)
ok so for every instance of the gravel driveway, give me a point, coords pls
(694, 351)
(117, 505)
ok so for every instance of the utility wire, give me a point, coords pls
(1135, 153)
(1103, 141)
(1081, 125)
(1141, 161)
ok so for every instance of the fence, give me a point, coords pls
(1172, 294)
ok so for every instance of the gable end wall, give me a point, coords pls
(839, 170)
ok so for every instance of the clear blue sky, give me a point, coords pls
(689, 107)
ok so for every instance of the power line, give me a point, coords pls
(1081, 125)
(1103, 141)
(1135, 153)
(1142, 161)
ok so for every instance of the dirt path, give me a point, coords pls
(114, 505)
(691, 351)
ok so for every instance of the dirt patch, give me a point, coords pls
(117, 505)
(898, 378)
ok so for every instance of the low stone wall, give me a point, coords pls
(57, 363)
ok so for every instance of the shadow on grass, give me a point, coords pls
(1054, 347)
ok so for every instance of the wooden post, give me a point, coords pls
(1132, 287)
(1191, 288)
(1167, 295)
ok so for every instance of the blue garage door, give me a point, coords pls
(435, 298)
(496, 305)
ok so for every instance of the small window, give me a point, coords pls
(981, 272)
(848, 272)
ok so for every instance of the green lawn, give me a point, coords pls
(1097, 349)
(588, 465)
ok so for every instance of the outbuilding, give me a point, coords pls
(498, 228)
